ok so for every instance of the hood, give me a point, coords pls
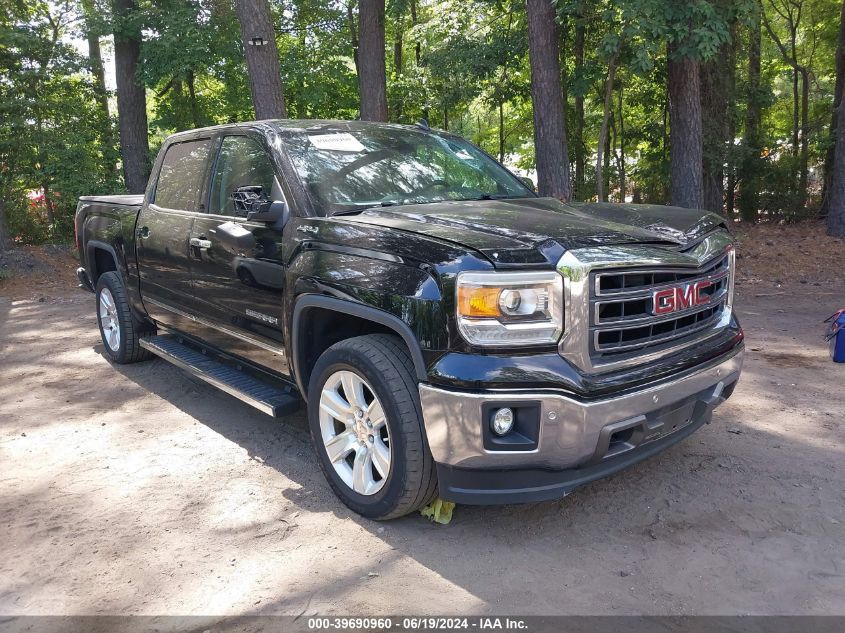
(538, 230)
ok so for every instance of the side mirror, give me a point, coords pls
(269, 212)
(528, 182)
(253, 202)
(245, 197)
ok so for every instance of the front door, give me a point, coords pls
(164, 228)
(237, 270)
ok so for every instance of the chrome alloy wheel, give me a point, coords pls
(354, 432)
(108, 320)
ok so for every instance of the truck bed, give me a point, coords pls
(105, 235)
(125, 200)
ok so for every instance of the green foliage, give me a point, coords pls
(52, 145)
(462, 64)
(318, 71)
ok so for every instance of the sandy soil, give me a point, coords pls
(136, 490)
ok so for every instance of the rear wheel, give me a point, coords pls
(366, 423)
(119, 330)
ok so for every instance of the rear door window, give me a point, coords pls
(182, 175)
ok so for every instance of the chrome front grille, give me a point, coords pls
(622, 319)
(608, 293)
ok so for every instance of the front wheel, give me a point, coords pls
(365, 419)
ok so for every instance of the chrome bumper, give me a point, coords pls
(573, 433)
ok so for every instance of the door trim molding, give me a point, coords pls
(219, 328)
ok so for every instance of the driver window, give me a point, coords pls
(241, 163)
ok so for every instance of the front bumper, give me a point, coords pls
(577, 441)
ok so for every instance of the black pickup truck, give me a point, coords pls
(448, 329)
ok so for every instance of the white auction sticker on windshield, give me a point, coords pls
(338, 142)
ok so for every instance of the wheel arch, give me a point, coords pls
(357, 319)
(101, 258)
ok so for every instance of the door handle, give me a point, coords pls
(200, 242)
(143, 232)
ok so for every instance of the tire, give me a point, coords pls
(385, 369)
(119, 330)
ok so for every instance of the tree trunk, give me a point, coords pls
(796, 107)
(397, 48)
(547, 99)
(95, 62)
(398, 63)
(715, 85)
(418, 53)
(637, 195)
(131, 98)
(730, 189)
(417, 48)
(684, 131)
(837, 100)
(605, 120)
(731, 150)
(730, 193)
(611, 151)
(262, 59)
(5, 238)
(803, 163)
(580, 147)
(562, 29)
(95, 58)
(790, 56)
(623, 185)
(751, 162)
(609, 148)
(836, 212)
(793, 38)
(501, 130)
(353, 35)
(192, 96)
(397, 54)
(371, 78)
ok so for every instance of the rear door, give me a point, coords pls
(237, 267)
(164, 228)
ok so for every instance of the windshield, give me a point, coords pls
(350, 170)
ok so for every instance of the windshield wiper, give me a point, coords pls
(485, 196)
(388, 203)
(362, 208)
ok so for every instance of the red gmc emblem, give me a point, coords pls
(680, 298)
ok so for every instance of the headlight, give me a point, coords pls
(504, 309)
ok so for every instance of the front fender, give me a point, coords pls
(399, 295)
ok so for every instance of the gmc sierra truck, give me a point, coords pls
(450, 331)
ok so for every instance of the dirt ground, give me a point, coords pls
(135, 490)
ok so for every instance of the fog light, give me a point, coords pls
(502, 421)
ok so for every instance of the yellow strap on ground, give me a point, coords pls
(439, 511)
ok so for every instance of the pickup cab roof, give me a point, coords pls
(295, 125)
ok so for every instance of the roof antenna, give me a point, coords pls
(423, 124)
